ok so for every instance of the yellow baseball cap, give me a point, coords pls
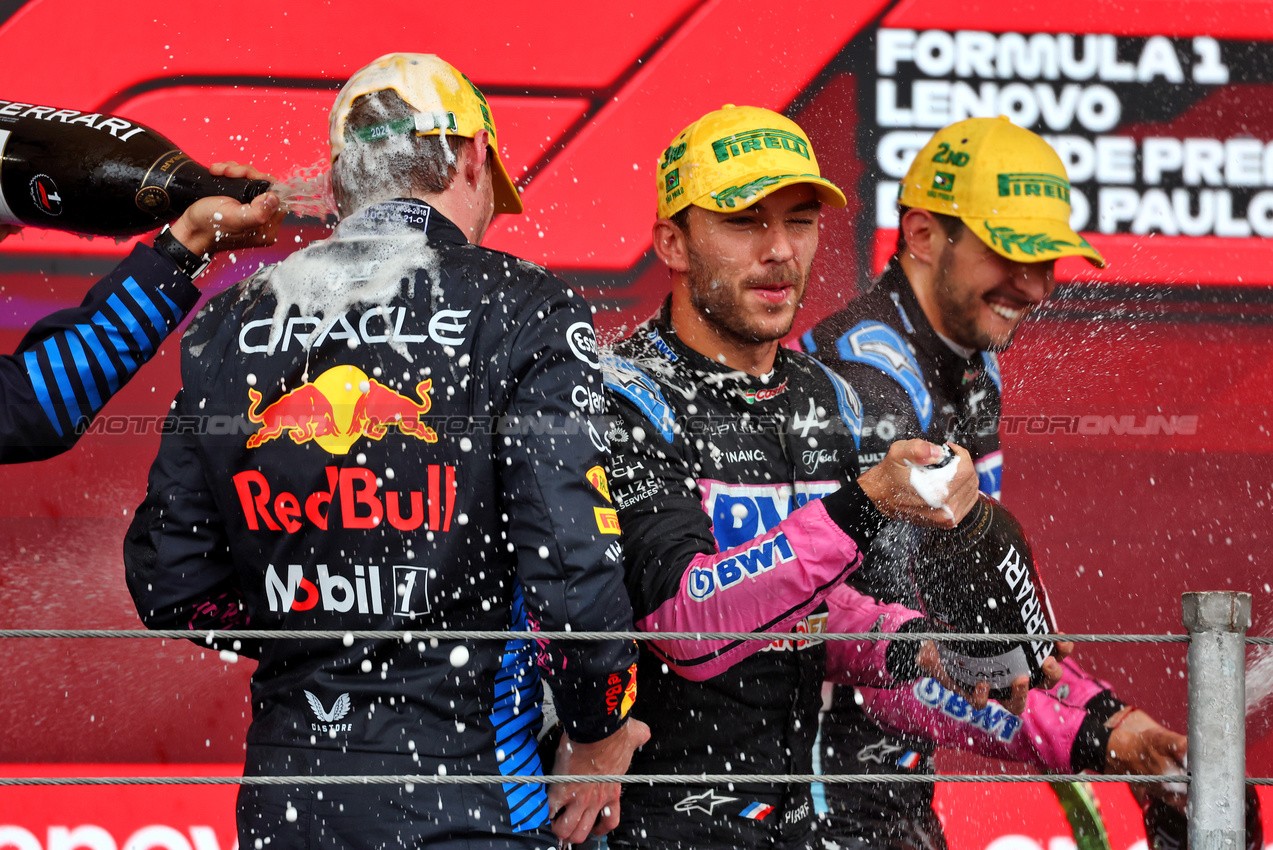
(1005, 183)
(445, 102)
(733, 157)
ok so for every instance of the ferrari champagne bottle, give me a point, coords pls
(97, 174)
(981, 578)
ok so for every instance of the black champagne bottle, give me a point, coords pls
(97, 174)
(980, 577)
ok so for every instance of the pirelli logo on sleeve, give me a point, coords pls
(607, 520)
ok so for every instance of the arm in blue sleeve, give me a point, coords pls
(72, 361)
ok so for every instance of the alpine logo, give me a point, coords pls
(809, 422)
(328, 719)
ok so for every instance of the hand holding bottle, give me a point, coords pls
(220, 223)
(889, 484)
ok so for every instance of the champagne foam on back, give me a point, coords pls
(366, 261)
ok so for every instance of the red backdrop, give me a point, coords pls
(586, 96)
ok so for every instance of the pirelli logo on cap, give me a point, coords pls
(757, 140)
(1037, 185)
(607, 520)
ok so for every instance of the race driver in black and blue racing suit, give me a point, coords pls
(920, 345)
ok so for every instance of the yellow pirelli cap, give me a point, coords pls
(445, 102)
(1005, 183)
(733, 157)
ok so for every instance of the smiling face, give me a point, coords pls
(980, 298)
(744, 273)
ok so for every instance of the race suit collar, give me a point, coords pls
(894, 282)
(712, 370)
(410, 212)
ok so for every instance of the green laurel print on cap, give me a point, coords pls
(1030, 243)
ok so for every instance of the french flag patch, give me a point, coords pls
(757, 811)
(909, 760)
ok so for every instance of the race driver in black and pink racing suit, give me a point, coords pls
(735, 472)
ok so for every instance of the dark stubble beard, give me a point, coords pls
(718, 302)
(960, 308)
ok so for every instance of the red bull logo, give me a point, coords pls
(352, 499)
(337, 408)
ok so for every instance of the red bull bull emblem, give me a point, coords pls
(337, 408)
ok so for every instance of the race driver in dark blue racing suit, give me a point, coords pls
(425, 452)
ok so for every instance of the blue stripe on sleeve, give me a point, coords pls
(129, 321)
(157, 319)
(99, 354)
(41, 387)
(116, 340)
(58, 369)
(87, 380)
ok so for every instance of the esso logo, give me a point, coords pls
(583, 342)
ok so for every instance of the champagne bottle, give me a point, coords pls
(97, 174)
(980, 577)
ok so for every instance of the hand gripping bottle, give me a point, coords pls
(980, 577)
(97, 174)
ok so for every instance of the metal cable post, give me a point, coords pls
(1217, 622)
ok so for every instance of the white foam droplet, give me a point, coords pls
(933, 484)
(459, 656)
